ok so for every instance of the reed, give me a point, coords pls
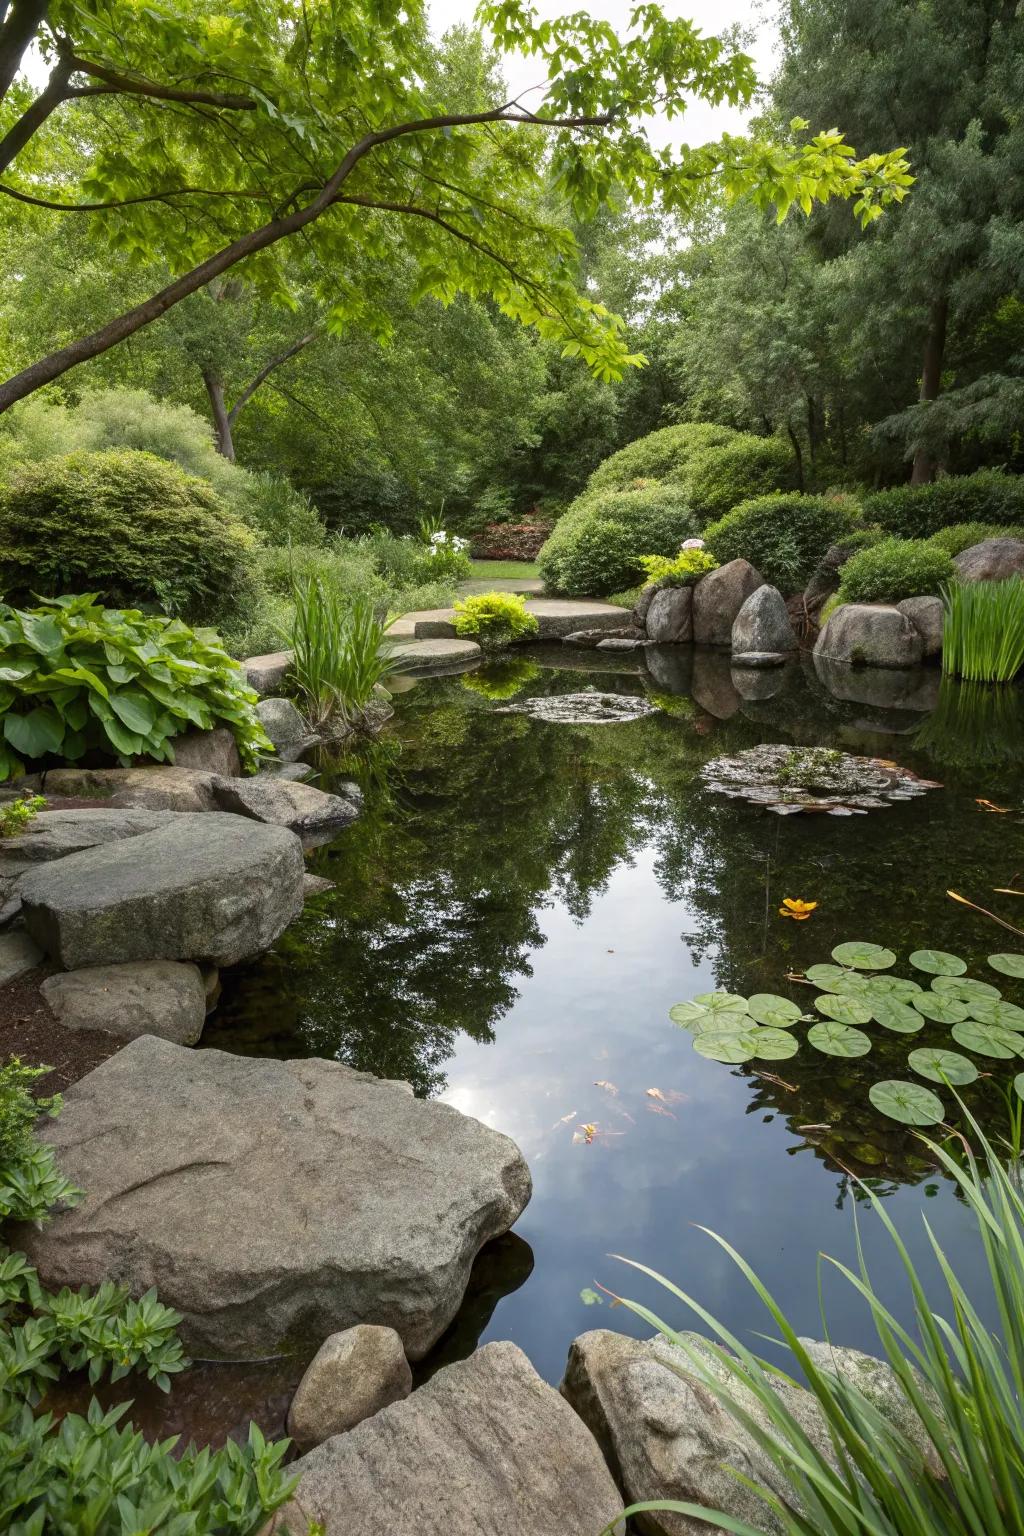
(983, 630)
(341, 653)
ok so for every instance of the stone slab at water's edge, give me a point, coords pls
(313, 814)
(353, 1375)
(555, 617)
(265, 674)
(274, 1202)
(144, 997)
(430, 657)
(763, 624)
(55, 834)
(718, 598)
(157, 788)
(870, 635)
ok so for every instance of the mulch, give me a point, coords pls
(28, 1029)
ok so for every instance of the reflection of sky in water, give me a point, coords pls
(589, 1014)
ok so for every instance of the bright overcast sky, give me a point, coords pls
(701, 123)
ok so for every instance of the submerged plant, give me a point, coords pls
(983, 631)
(949, 1459)
(341, 653)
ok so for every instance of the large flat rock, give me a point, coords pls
(274, 1202)
(218, 888)
(55, 834)
(484, 1449)
(157, 788)
(555, 617)
(144, 997)
(427, 657)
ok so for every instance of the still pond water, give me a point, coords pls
(523, 902)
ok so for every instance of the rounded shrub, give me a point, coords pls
(661, 455)
(917, 511)
(597, 547)
(719, 478)
(895, 569)
(961, 536)
(127, 525)
(785, 537)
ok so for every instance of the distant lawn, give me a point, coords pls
(505, 570)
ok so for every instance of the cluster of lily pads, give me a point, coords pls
(857, 990)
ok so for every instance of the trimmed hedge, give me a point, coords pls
(128, 525)
(661, 455)
(961, 536)
(917, 511)
(785, 537)
(718, 479)
(596, 547)
(895, 569)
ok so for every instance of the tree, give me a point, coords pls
(205, 139)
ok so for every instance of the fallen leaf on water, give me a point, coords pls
(814, 1127)
(987, 805)
(585, 1133)
(955, 896)
(799, 910)
(564, 1120)
(659, 1109)
(609, 951)
(773, 1077)
(617, 1109)
(1006, 890)
(590, 1298)
(608, 1087)
(669, 1097)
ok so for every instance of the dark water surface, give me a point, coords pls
(522, 903)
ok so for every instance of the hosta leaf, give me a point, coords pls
(722, 1002)
(838, 1039)
(845, 1010)
(42, 633)
(134, 710)
(940, 1007)
(938, 963)
(987, 1040)
(834, 978)
(772, 1044)
(896, 1015)
(729, 1045)
(1008, 964)
(966, 988)
(125, 743)
(36, 733)
(989, 1010)
(942, 1066)
(769, 1009)
(1018, 1085)
(909, 1103)
(863, 956)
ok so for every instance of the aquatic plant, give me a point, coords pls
(494, 619)
(949, 1461)
(973, 726)
(341, 653)
(983, 631)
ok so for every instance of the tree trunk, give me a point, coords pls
(20, 25)
(798, 454)
(219, 411)
(931, 381)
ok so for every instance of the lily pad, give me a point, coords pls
(864, 957)
(688, 1014)
(942, 1066)
(896, 1015)
(940, 1007)
(909, 1103)
(845, 1010)
(835, 978)
(772, 1044)
(729, 1045)
(937, 962)
(966, 988)
(777, 1012)
(899, 987)
(1008, 965)
(838, 1039)
(987, 1040)
(722, 1002)
(989, 1010)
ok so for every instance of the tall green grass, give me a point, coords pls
(340, 651)
(983, 631)
(965, 1384)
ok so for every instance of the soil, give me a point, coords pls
(28, 1029)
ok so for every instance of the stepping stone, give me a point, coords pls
(315, 816)
(274, 1202)
(218, 888)
(555, 618)
(18, 954)
(144, 997)
(437, 656)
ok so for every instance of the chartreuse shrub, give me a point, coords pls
(960, 536)
(894, 569)
(75, 678)
(599, 544)
(94, 1475)
(15, 815)
(785, 537)
(917, 511)
(661, 455)
(983, 632)
(494, 619)
(681, 570)
(719, 478)
(960, 1379)
(126, 524)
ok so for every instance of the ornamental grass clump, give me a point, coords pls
(494, 619)
(947, 1459)
(983, 631)
(341, 653)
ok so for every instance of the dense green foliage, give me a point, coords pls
(682, 570)
(340, 653)
(661, 455)
(76, 677)
(128, 524)
(784, 537)
(960, 536)
(717, 479)
(598, 545)
(983, 635)
(494, 619)
(916, 511)
(894, 569)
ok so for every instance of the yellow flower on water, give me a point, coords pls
(800, 911)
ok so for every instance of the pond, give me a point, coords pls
(524, 901)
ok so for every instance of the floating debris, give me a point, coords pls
(582, 709)
(790, 780)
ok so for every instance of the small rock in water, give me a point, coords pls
(758, 659)
(786, 780)
(618, 643)
(353, 1374)
(582, 708)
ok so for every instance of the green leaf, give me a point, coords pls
(998, 1011)
(892, 986)
(688, 1014)
(772, 1044)
(1018, 1085)
(987, 1040)
(42, 633)
(834, 978)
(898, 1016)
(864, 957)
(845, 1010)
(938, 963)
(767, 1008)
(728, 1045)
(937, 1006)
(134, 710)
(835, 1039)
(966, 988)
(722, 1002)
(942, 1066)
(909, 1103)
(1008, 964)
(34, 734)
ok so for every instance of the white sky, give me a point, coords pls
(701, 123)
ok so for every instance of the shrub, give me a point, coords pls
(446, 556)
(718, 479)
(785, 537)
(279, 513)
(598, 545)
(30, 1182)
(79, 678)
(917, 511)
(960, 536)
(983, 633)
(661, 455)
(894, 569)
(340, 653)
(138, 529)
(16, 814)
(494, 619)
(682, 570)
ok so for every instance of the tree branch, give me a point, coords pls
(129, 202)
(50, 97)
(117, 83)
(265, 372)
